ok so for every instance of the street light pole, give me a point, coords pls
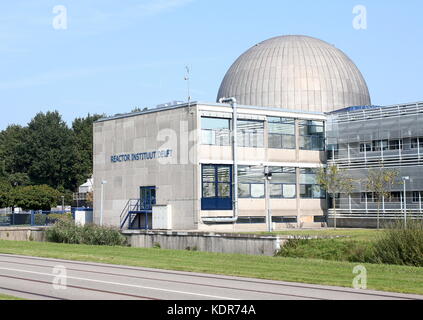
(404, 179)
(267, 178)
(103, 182)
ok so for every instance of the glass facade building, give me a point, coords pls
(361, 139)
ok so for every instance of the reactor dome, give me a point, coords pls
(297, 73)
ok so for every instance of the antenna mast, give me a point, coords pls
(187, 79)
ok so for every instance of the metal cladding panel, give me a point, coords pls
(297, 73)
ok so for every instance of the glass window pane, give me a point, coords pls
(288, 142)
(276, 191)
(289, 191)
(243, 190)
(257, 190)
(208, 137)
(209, 190)
(223, 174)
(317, 192)
(250, 133)
(224, 190)
(275, 141)
(214, 123)
(208, 173)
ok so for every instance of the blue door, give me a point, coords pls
(147, 198)
(216, 187)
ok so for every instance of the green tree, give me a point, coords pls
(335, 181)
(12, 150)
(40, 197)
(380, 182)
(83, 148)
(5, 189)
(49, 150)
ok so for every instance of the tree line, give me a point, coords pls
(45, 160)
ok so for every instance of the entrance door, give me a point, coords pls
(147, 198)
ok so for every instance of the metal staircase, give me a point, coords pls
(132, 214)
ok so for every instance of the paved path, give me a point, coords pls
(34, 278)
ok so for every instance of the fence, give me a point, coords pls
(32, 217)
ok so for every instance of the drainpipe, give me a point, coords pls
(234, 218)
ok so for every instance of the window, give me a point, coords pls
(281, 133)
(243, 220)
(309, 189)
(312, 135)
(215, 131)
(284, 219)
(384, 145)
(393, 197)
(250, 182)
(365, 147)
(333, 151)
(283, 183)
(417, 196)
(417, 143)
(216, 187)
(250, 133)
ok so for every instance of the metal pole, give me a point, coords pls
(267, 177)
(63, 204)
(102, 201)
(405, 206)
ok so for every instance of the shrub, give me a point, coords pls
(401, 246)
(327, 249)
(65, 231)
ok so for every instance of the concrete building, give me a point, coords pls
(176, 166)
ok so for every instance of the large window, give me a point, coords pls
(250, 182)
(417, 143)
(250, 133)
(309, 189)
(281, 133)
(216, 187)
(283, 183)
(216, 181)
(312, 135)
(215, 131)
(381, 145)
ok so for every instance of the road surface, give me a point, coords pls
(42, 278)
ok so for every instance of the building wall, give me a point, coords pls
(178, 178)
(174, 176)
(366, 140)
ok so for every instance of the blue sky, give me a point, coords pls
(116, 55)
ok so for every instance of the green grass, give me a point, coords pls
(380, 277)
(7, 297)
(350, 234)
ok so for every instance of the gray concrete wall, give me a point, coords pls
(22, 233)
(210, 242)
(173, 176)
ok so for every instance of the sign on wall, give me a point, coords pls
(141, 156)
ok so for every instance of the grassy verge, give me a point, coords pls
(339, 273)
(348, 234)
(7, 297)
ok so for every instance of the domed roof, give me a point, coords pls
(297, 73)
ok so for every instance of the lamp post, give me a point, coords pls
(404, 181)
(267, 178)
(103, 182)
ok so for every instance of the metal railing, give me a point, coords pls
(29, 218)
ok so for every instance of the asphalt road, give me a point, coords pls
(42, 278)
